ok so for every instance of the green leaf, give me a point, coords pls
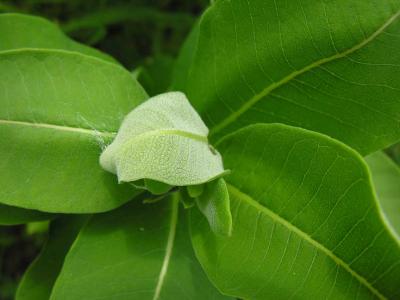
(195, 191)
(10, 215)
(38, 227)
(165, 140)
(185, 59)
(328, 66)
(187, 202)
(155, 74)
(156, 187)
(136, 252)
(306, 224)
(215, 206)
(19, 31)
(58, 110)
(386, 179)
(38, 280)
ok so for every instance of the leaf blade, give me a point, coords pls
(215, 206)
(284, 203)
(165, 140)
(386, 178)
(147, 250)
(67, 136)
(17, 31)
(10, 215)
(38, 280)
(266, 62)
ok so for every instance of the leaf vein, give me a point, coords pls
(266, 91)
(307, 238)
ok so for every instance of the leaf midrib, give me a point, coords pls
(275, 217)
(266, 91)
(59, 128)
(170, 131)
(95, 132)
(107, 134)
(169, 247)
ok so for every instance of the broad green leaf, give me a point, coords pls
(19, 31)
(58, 110)
(140, 251)
(38, 280)
(165, 140)
(215, 206)
(386, 179)
(306, 224)
(328, 66)
(10, 215)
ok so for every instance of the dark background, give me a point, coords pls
(143, 35)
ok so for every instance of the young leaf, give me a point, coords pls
(215, 206)
(386, 179)
(165, 140)
(19, 31)
(58, 109)
(136, 252)
(38, 280)
(10, 215)
(306, 223)
(328, 66)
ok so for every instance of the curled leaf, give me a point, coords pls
(215, 205)
(165, 140)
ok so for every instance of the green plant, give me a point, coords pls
(264, 149)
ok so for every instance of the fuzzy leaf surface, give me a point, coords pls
(163, 139)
